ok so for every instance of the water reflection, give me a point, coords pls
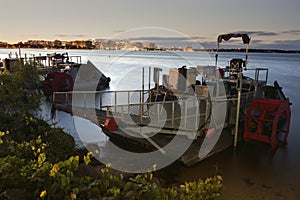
(93, 133)
(250, 172)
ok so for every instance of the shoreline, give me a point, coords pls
(166, 50)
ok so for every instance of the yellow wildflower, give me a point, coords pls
(43, 194)
(54, 170)
(2, 133)
(73, 196)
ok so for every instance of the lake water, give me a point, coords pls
(251, 171)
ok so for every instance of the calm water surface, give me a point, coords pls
(251, 171)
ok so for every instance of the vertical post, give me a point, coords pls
(53, 97)
(208, 108)
(128, 100)
(158, 112)
(67, 100)
(143, 84)
(149, 85)
(122, 113)
(256, 74)
(143, 89)
(141, 114)
(239, 84)
(185, 113)
(115, 101)
(100, 100)
(218, 83)
(256, 81)
(173, 113)
(217, 54)
(246, 61)
(107, 111)
(217, 69)
(20, 51)
(84, 98)
(128, 97)
(197, 116)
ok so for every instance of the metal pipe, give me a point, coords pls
(100, 101)
(122, 113)
(217, 54)
(141, 113)
(197, 116)
(149, 85)
(158, 113)
(246, 61)
(115, 102)
(238, 109)
(143, 84)
(185, 113)
(67, 101)
(173, 113)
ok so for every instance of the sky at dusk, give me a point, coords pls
(270, 23)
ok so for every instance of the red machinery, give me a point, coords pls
(58, 82)
(265, 119)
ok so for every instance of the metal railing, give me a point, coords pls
(127, 106)
(181, 114)
(99, 99)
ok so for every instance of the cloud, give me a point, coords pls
(202, 42)
(198, 38)
(278, 44)
(256, 41)
(259, 33)
(166, 41)
(208, 45)
(161, 39)
(288, 44)
(64, 36)
(292, 32)
(118, 31)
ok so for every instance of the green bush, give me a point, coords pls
(18, 88)
(28, 172)
(38, 161)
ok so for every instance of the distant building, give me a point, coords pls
(188, 48)
(150, 46)
(3, 44)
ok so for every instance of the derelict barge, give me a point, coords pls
(209, 116)
(58, 71)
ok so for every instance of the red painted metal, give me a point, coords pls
(110, 124)
(264, 120)
(58, 82)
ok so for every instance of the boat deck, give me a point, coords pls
(165, 134)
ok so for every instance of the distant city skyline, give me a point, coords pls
(272, 24)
